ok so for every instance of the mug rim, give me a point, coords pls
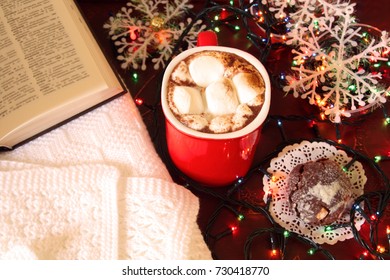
(252, 126)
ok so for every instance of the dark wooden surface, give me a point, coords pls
(370, 138)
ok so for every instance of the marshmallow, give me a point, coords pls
(188, 100)
(221, 124)
(181, 73)
(221, 97)
(197, 122)
(248, 86)
(257, 101)
(238, 122)
(206, 69)
(243, 110)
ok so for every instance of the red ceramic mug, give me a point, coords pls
(212, 159)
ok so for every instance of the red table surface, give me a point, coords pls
(369, 138)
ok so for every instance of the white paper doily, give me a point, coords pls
(280, 168)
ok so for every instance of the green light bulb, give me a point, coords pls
(352, 87)
(328, 228)
(311, 251)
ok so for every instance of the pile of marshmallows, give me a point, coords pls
(221, 100)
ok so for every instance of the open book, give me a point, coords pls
(51, 68)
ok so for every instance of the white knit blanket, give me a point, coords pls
(95, 188)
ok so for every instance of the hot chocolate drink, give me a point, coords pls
(215, 91)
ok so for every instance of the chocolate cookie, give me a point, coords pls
(320, 192)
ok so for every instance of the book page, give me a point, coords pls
(14, 78)
(50, 60)
(44, 61)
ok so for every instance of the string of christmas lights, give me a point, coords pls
(216, 15)
(372, 205)
(375, 204)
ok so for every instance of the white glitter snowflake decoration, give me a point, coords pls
(150, 29)
(291, 17)
(316, 13)
(304, 11)
(332, 64)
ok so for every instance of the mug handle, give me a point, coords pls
(207, 38)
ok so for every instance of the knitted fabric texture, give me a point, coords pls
(95, 188)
